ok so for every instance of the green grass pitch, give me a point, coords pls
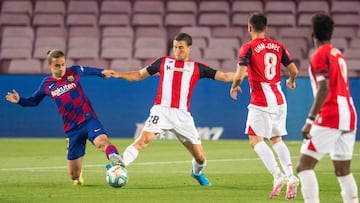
(35, 170)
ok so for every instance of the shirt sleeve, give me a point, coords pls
(154, 67)
(286, 57)
(320, 62)
(245, 53)
(87, 70)
(206, 71)
(35, 98)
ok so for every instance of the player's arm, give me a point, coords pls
(320, 97)
(293, 72)
(132, 76)
(240, 74)
(33, 100)
(224, 76)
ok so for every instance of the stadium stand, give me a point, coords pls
(110, 32)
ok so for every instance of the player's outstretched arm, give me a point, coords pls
(132, 76)
(13, 97)
(293, 72)
(224, 77)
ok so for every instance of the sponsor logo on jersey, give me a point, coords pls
(63, 89)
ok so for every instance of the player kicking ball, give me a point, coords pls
(80, 120)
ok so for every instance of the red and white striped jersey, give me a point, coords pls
(263, 58)
(177, 80)
(338, 110)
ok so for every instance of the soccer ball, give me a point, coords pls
(116, 176)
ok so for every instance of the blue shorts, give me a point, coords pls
(76, 138)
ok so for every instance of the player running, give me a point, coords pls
(80, 120)
(171, 110)
(260, 59)
(331, 123)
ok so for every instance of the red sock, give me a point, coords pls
(111, 149)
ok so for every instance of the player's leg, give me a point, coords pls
(132, 151)
(313, 150)
(75, 171)
(258, 127)
(341, 157)
(97, 135)
(76, 143)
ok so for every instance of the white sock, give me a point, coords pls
(129, 155)
(284, 156)
(349, 190)
(267, 157)
(197, 167)
(309, 186)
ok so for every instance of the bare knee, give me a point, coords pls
(342, 168)
(144, 140)
(306, 163)
(101, 142)
(254, 140)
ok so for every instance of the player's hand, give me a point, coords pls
(108, 73)
(290, 84)
(233, 92)
(306, 131)
(13, 97)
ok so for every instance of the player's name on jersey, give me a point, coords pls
(270, 45)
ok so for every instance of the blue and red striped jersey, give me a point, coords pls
(73, 105)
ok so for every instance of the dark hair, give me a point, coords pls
(54, 53)
(184, 37)
(258, 21)
(322, 26)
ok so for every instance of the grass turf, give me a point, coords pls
(35, 170)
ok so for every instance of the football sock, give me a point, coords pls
(110, 150)
(349, 190)
(284, 156)
(197, 167)
(267, 157)
(309, 186)
(129, 155)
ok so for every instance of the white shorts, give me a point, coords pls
(339, 144)
(178, 121)
(266, 124)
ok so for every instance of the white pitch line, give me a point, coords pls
(140, 164)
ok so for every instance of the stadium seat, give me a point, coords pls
(16, 42)
(229, 65)
(99, 63)
(304, 20)
(50, 7)
(352, 53)
(214, 7)
(126, 65)
(296, 32)
(230, 32)
(84, 32)
(149, 48)
(340, 43)
(297, 47)
(81, 20)
(281, 20)
(240, 19)
(115, 7)
(15, 53)
(197, 32)
(220, 53)
(180, 19)
(83, 7)
(51, 32)
(8, 19)
(344, 31)
(213, 20)
(353, 65)
(355, 43)
(107, 19)
(213, 63)
(141, 19)
(83, 48)
(345, 7)
(229, 43)
(350, 20)
(246, 6)
(149, 7)
(48, 20)
(116, 48)
(188, 7)
(311, 7)
(17, 7)
(20, 66)
(288, 7)
(157, 32)
(18, 32)
(125, 32)
(43, 44)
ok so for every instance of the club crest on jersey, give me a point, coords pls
(70, 78)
